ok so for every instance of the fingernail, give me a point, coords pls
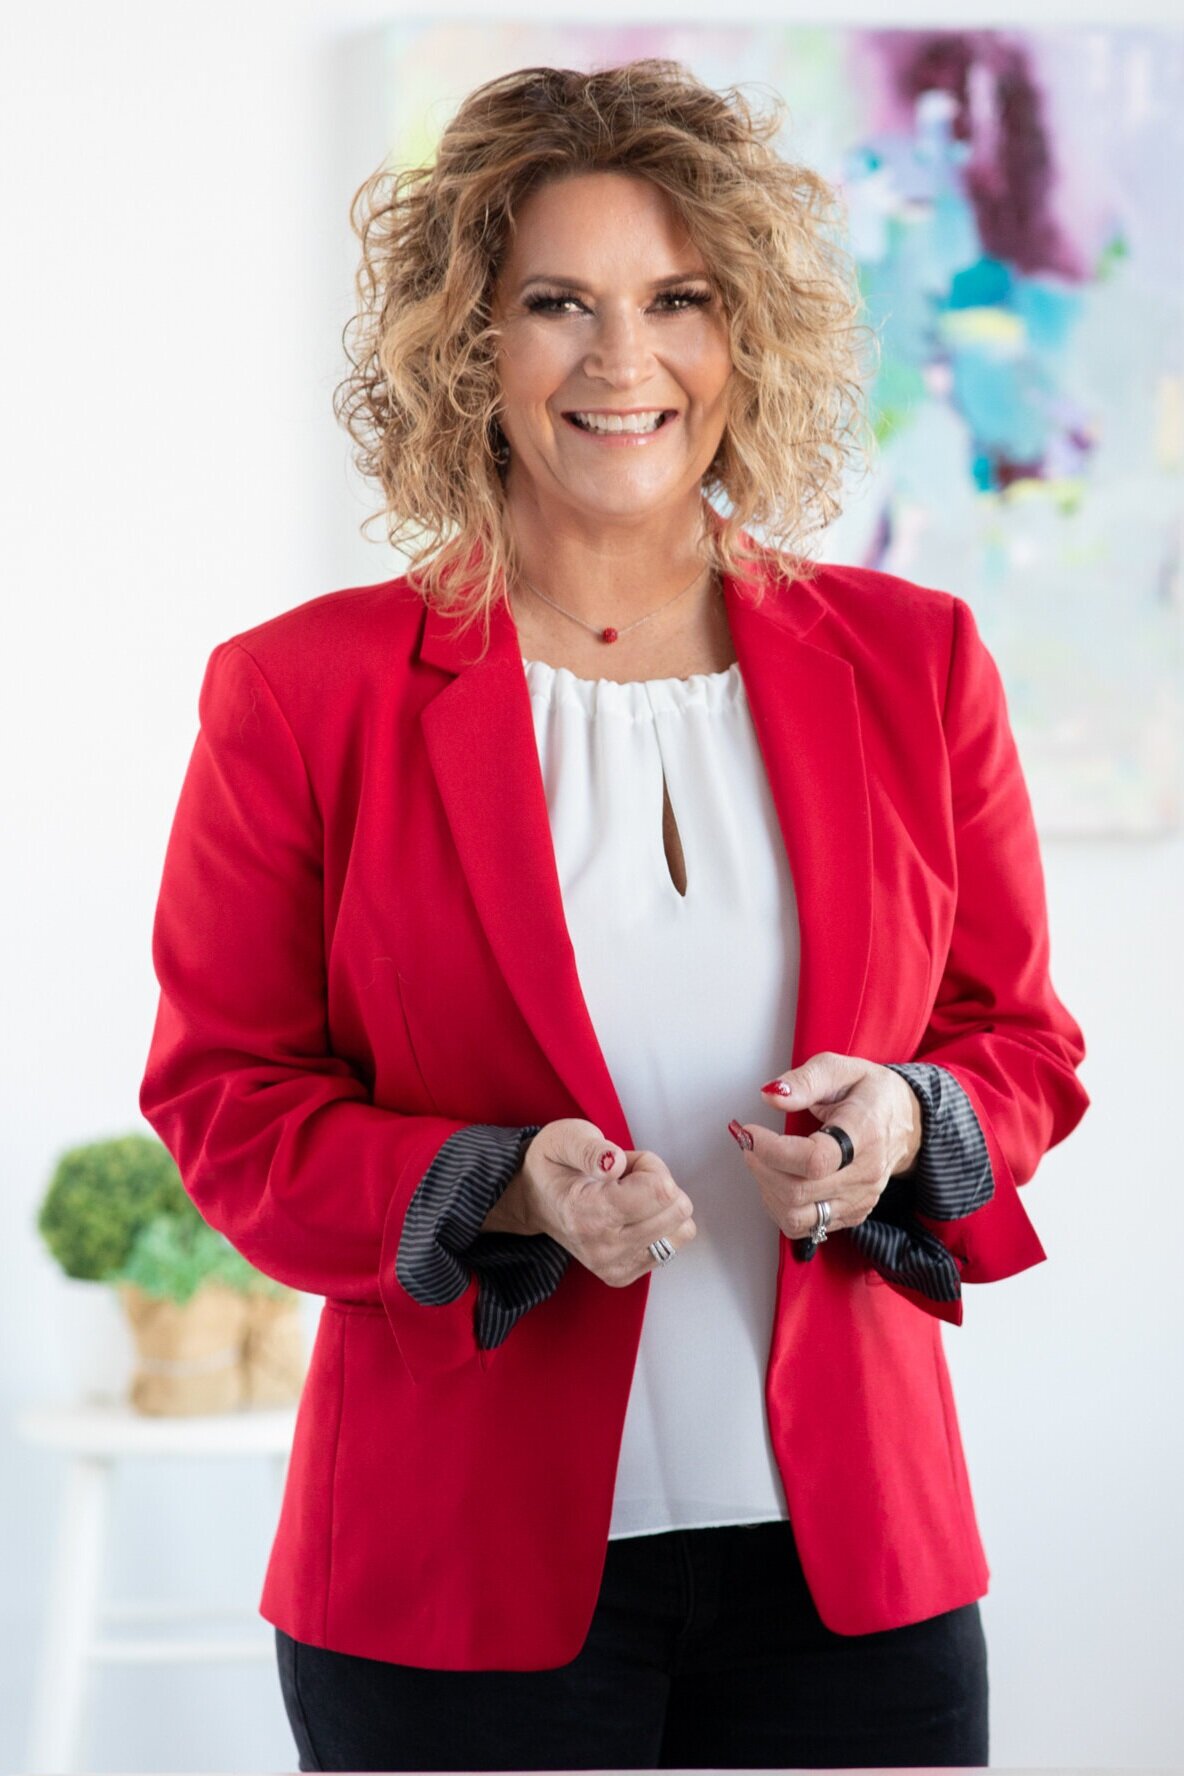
(779, 1088)
(605, 1162)
(740, 1135)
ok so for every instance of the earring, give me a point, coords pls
(499, 445)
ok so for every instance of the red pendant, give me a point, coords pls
(608, 635)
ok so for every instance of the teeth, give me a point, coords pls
(630, 422)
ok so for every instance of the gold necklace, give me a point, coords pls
(609, 634)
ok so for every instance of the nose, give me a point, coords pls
(619, 352)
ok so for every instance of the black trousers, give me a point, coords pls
(705, 1651)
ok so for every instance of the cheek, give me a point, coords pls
(531, 369)
(709, 369)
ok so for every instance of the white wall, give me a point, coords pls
(177, 268)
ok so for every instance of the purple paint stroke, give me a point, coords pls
(1010, 174)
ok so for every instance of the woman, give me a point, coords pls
(696, 830)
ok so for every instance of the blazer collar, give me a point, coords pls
(479, 736)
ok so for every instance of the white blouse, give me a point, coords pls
(693, 1000)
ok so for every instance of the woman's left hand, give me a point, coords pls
(879, 1111)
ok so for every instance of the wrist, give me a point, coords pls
(913, 1128)
(515, 1209)
(510, 1213)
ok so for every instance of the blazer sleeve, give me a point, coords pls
(276, 1136)
(997, 1025)
(950, 1178)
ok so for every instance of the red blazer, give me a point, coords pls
(361, 947)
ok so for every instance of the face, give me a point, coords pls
(607, 308)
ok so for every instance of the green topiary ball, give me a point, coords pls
(101, 1195)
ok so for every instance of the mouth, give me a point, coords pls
(621, 427)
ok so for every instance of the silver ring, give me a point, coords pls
(819, 1233)
(661, 1250)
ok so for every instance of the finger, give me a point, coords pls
(805, 1223)
(851, 1190)
(846, 1210)
(677, 1225)
(629, 1249)
(842, 1139)
(800, 1219)
(647, 1188)
(581, 1146)
(638, 1212)
(851, 1200)
(814, 1156)
(823, 1079)
(784, 1193)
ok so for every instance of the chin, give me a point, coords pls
(634, 503)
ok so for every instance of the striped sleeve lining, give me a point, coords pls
(442, 1245)
(951, 1178)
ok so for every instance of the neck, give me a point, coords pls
(612, 573)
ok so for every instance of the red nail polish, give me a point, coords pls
(740, 1135)
(605, 1161)
(779, 1087)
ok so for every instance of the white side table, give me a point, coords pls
(95, 1437)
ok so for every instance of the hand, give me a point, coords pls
(605, 1218)
(880, 1112)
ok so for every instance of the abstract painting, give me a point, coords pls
(1013, 202)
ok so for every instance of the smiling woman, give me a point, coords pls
(615, 380)
(613, 325)
(444, 931)
(575, 253)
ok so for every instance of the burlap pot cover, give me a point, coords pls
(189, 1356)
(274, 1357)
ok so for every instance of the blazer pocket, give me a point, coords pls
(429, 1100)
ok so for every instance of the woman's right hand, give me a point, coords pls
(605, 1218)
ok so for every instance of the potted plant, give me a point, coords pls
(210, 1332)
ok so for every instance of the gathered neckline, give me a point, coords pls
(635, 699)
(627, 683)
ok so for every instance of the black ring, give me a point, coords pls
(846, 1146)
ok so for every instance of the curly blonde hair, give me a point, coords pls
(422, 398)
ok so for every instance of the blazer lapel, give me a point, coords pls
(480, 740)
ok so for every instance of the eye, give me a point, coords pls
(679, 300)
(692, 298)
(547, 304)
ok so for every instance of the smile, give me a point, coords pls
(621, 428)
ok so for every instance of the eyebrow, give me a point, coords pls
(571, 283)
